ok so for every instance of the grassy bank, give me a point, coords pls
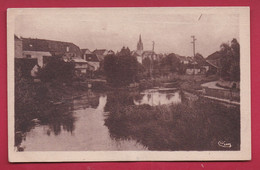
(49, 103)
(185, 82)
(199, 126)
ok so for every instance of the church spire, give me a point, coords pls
(140, 44)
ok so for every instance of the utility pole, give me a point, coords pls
(193, 42)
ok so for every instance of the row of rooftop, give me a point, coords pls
(42, 48)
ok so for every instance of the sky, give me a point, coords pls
(111, 28)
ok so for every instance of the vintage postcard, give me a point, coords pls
(129, 84)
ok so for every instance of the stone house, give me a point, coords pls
(43, 49)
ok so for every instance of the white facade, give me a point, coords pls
(191, 71)
(139, 59)
(96, 65)
(37, 54)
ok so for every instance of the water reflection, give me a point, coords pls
(155, 97)
(81, 129)
(130, 120)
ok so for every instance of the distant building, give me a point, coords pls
(101, 53)
(140, 54)
(214, 62)
(193, 68)
(149, 54)
(140, 46)
(82, 66)
(183, 59)
(43, 49)
(91, 58)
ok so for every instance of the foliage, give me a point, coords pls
(230, 61)
(170, 64)
(197, 126)
(121, 69)
(57, 70)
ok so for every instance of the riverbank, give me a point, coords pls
(197, 126)
(42, 103)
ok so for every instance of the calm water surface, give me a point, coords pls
(81, 127)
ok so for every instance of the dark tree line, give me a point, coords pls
(121, 69)
(230, 61)
(57, 70)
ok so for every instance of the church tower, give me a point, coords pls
(140, 44)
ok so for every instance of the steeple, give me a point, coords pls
(140, 44)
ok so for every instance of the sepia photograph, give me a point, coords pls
(128, 84)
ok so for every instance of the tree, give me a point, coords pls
(170, 64)
(57, 70)
(121, 69)
(235, 66)
(230, 61)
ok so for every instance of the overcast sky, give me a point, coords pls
(114, 28)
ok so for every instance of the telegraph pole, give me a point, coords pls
(193, 42)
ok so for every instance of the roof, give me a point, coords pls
(214, 56)
(92, 57)
(16, 37)
(136, 53)
(100, 51)
(85, 51)
(213, 63)
(182, 58)
(79, 60)
(51, 46)
(148, 53)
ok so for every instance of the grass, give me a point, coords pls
(198, 126)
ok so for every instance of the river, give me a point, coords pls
(79, 124)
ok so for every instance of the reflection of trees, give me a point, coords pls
(138, 97)
(33, 106)
(176, 127)
(89, 100)
(58, 117)
(118, 99)
(149, 96)
(117, 104)
(169, 96)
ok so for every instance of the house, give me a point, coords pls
(183, 59)
(101, 53)
(149, 54)
(43, 49)
(214, 62)
(91, 58)
(213, 67)
(193, 69)
(82, 66)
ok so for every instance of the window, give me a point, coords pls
(28, 56)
